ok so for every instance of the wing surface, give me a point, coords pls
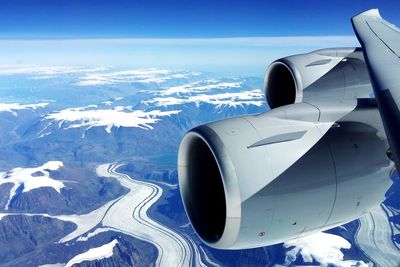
(381, 47)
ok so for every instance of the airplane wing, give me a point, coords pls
(381, 46)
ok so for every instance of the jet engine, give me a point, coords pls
(326, 74)
(309, 164)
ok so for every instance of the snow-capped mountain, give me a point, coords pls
(88, 172)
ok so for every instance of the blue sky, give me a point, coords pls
(181, 18)
(176, 33)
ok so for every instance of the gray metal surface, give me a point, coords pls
(381, 43)
(333, 74)
(333, 172)
(286, 137)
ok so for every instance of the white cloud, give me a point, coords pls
(31, 178)
(251, 41)
(242, 55)
(131, 76)
(118, 116)
(102, 252)
(42, 77)
(46, 72)
(12, 107)
(322, 247)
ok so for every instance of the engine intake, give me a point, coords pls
(280, 76)
(208, 209)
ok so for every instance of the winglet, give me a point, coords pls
(360, 23)
(370, 27)
(372, 13)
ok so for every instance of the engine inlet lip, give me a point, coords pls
(294, 72)
(229, 182)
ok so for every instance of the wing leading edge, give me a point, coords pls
(381, 46)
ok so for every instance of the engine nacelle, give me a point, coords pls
(327, 74)
(259, 180)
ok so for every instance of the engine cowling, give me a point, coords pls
(259, 180)
(328, 74)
